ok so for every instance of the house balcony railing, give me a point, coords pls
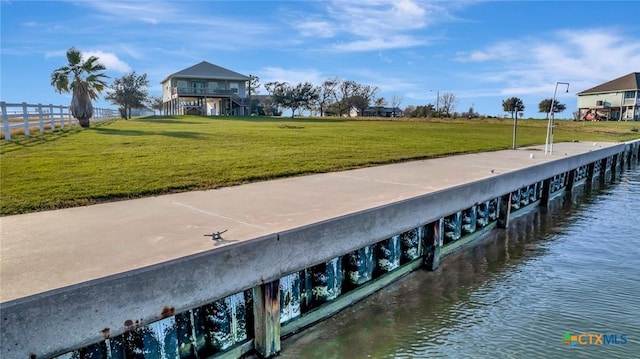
(189, 91)
(209, 92)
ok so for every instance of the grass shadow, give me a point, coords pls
(164, 120)
(291, 127)
(176, 134)
(280, 119)
(159, 117)
(21, 141)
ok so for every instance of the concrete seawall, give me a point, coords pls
(72, 278)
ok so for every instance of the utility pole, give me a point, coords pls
(437, 102)
(249, 92)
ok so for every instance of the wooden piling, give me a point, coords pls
(434, 238)
(603, 172)
(266, 314)
(505, 210)
(591, 172)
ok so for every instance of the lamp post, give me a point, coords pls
(548, 146)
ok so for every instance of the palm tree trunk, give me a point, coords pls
(81, 107)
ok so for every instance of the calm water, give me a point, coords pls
(574, 268)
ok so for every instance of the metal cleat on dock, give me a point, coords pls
(216, 236)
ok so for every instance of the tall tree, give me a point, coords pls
(471, 113)
(300, 97)
(409, 110)
(448, 103)
(364, 95)
(513, 105)
(276, 90)
(396, 101)
(359, 102)
(84, 80)
(379, 104)
(326, 92)
(253, 85)
(421, 111)
(128, 91)
(274, 87)
(545, 106)
(252, 89)
(155, 103)
(344, 91)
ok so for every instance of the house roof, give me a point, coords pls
(206, 70)
(383, 108)
(628, 82)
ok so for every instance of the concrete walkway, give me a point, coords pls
(53, 249)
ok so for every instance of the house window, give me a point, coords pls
(198, 87)
(629, 94)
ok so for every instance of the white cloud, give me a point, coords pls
(150, 20)
(129, 50)
(380, 43)
(366, 18)
(56, 53)
(154, 12)
(182, 16)
(503, 51)
(315, 28)
(584, 58)
(109, 60)
(370, 25)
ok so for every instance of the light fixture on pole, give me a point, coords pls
(548, 146)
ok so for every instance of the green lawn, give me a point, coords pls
(141, 157)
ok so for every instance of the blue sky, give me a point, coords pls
(481, 51)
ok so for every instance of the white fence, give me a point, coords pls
(27, 116)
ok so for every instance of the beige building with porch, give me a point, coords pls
(205, 89)
(616, 100)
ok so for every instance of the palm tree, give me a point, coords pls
(82, 79)
(545, 106)
(513, 105)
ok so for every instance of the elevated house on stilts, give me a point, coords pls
(205, 89)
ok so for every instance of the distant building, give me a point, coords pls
(205, 89)
(353, 112)
(618, 99)
(383, 112)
